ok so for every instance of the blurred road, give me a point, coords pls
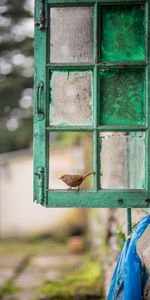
(27, 267)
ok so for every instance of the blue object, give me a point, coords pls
(129, 276)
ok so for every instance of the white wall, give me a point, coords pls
(19, 216)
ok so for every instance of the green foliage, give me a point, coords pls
(121, 236)
(8, 289)
(16, 50)
(87, 280)
(17, 139)
(69, 139)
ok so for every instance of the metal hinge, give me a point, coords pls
(40, 174)
(41, 23)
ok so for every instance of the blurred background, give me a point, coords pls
(45, 253)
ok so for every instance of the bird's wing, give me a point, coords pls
(76, 178)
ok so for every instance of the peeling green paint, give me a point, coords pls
(122, 97)
(123, 33)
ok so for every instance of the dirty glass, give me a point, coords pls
(70, 153)
(122, 33)
(71, 98)
(122, 160)
(71, 34)
(122, 97)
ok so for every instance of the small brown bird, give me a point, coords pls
(74, 180)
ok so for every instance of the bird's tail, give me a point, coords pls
(87, 174)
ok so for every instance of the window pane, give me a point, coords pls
(122, 97)
(71, 34)
(122, 160)
(70, 153)
(71, 98)
(123, 33)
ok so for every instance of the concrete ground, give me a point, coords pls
(40, 270)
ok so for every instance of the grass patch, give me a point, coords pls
(121, 237)
(8, 289)
(32, 247)
(85, 283)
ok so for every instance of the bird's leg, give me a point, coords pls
(69, 189)
(78, 189)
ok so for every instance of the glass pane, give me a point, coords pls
(71, 34)
(122, 160)
(71, 98)
(122, 97)
(123, 33)
(70, 153)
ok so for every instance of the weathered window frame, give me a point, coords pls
(96, 197)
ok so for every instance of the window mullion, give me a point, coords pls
(96, 25)
(96, 161)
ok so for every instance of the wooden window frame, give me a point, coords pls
(84, 198)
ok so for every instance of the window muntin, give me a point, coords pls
(121, 95)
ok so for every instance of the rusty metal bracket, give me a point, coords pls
(41, 23)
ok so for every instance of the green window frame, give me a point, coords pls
(102, 70)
